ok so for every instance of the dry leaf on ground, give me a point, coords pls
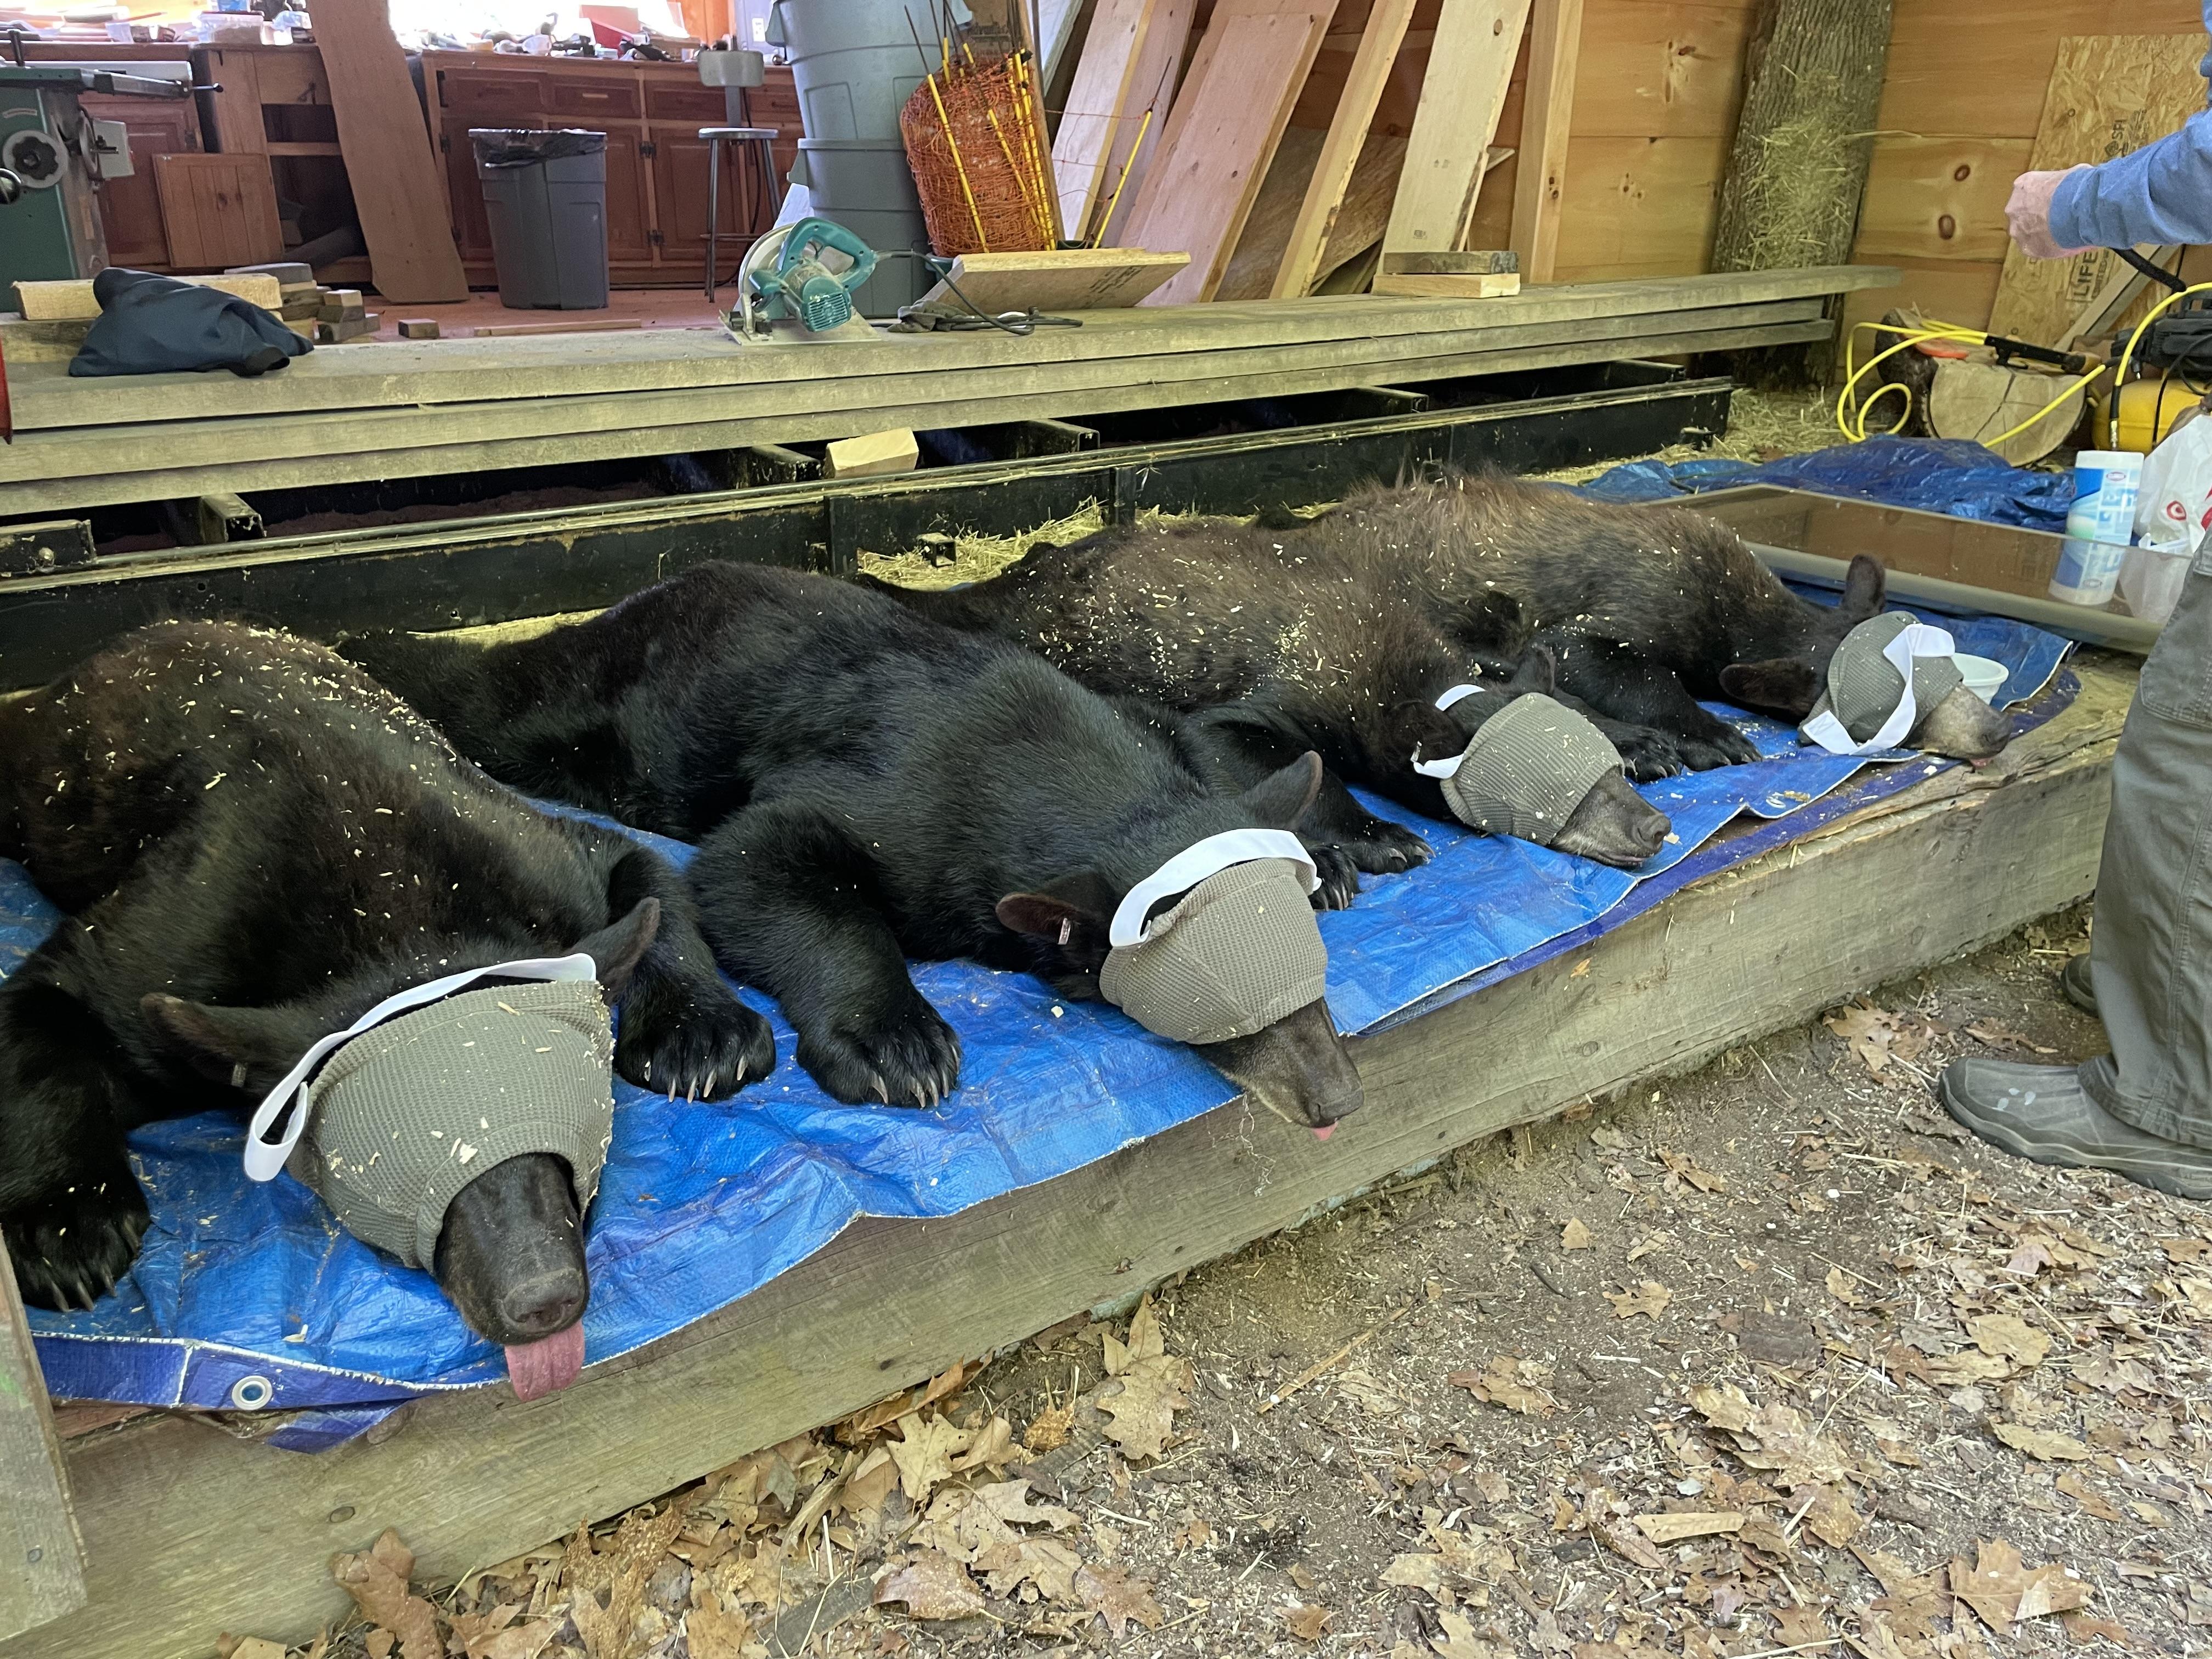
(2002, 1589)
(2041, 1442)
(931, 1585)
(1117, 1598)
(1573, 1235)
(376, 1579)
(1681, 1168)
(1143, 1401)
(1515, 1384)
(1307, 1623)
(2088, 1497)
(2007, 1336)
(1693, 1524)
(1648, 1298)
(924, 1453)
(713, 1632)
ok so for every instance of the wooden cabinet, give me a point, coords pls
(657, 163)
(130, 209)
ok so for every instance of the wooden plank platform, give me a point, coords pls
(419, 408)
(189, 1531)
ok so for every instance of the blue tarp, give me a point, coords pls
(701, 1203)
(1951, 475)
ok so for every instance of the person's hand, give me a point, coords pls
(2027, 215)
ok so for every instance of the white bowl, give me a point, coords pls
(1985, 678)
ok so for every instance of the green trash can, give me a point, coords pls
(545, 193)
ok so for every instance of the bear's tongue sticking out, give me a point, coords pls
(551, 1364)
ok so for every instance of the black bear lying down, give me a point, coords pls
(1336, 631)
(865, 786)
(254, 845)
(1268, 645)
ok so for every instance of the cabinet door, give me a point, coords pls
(130, 209)
(679, 183)
(629, 215)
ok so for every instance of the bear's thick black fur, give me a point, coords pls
(865, 786)
(1340, 625)
(254, 844)
(1268, 640)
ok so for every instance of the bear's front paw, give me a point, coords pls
(70, 1245)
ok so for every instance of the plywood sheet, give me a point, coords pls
(219, 211)
(1462, 95)
(397, 191)
(1360, 217)
(1227, 121)
(1152, 85)
(1067, 279)
(1096, 105)
(1331, 177)
(2110, 93)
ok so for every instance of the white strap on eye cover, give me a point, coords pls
(1914, 640)
(1195, 864)
(1444, 768)
(264, 1157)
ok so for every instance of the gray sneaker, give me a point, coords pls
(2042, 1112)
(2074, 981)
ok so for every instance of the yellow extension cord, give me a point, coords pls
(1852, 410)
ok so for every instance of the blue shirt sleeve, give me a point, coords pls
(2160, 193)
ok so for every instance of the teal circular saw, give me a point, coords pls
(805, 272)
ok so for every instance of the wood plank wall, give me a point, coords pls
(1656, 91)
(1958, 112)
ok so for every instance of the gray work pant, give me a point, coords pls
(2151, 958)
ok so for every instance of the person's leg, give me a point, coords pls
(2144, 1110)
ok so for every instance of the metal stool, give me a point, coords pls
(763, 138)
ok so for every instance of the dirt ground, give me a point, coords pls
(1762, 1360)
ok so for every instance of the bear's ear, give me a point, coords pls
(245, 1047)
(1865, 589)
(1280, 799)
(616, 950)
(1538, 671)
(1072, 916)
(1779, 685)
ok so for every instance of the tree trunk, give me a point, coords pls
(1811, 80)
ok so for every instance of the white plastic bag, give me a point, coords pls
(2173, 507)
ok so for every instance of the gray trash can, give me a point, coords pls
(545, 193)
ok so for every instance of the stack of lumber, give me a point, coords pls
(412, 409)
(1211, 165)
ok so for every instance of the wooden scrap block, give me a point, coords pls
(340, 304)
(338, 333)
(70, 300)
(308, 306)
(418, 328)
(877, 453)
(1482, 261)
(1449, 288)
